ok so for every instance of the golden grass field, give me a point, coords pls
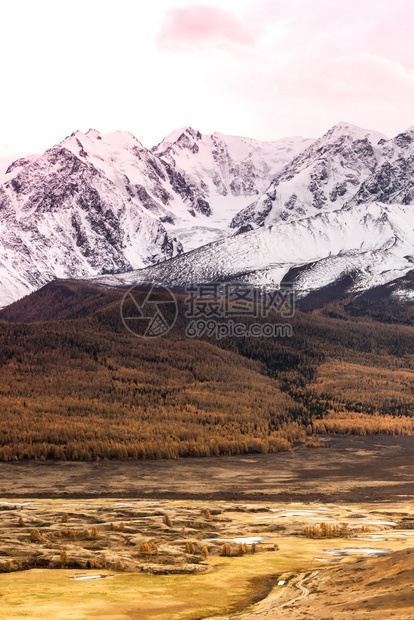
(228, 585)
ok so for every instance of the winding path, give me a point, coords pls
(303, 590)
(267, 607)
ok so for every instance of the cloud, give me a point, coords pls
(201, 26)
(315, 67)
(369, 76)
(377, 27)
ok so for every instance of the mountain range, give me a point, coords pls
(203, 208)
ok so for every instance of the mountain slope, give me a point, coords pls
(227, 165)
(392, 180)
(227, 172)
(336, 212)
(98, 204)
(81, 209)
(372, 243)
(321, 178)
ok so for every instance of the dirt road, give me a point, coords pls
(269, 608)
(303, 590)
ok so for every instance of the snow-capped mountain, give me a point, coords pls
(83, 207)
(393, 178)
(339, 211)
(374, 244)
(97, 203)
(226, 173)
(321, 178)
(200, 208)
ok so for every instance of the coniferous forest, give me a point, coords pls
(78, 386)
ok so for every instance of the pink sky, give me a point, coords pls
(203, 26)
(264, 69)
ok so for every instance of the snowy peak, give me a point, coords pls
(137, 172)
(354, 132)
(179, 137)
(221, 149)
(323, 177)
(98, 204)
(112, 147)
(231, 167)
(404, 140)
(392, 179)
(94, 134)
(91, 204)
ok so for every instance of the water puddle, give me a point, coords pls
(249, 540)
(90, 577)
(361, 551)
(23, 504)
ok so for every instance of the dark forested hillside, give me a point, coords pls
(82, 387)
(59, 301)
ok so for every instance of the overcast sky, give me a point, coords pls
(264, 69)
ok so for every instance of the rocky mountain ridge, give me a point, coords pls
(200, 208)
(96, 204)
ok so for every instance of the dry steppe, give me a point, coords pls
(212, 538)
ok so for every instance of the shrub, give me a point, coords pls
(7, 567)
(326, 530)
(190, 548)
(226, 549)
(144, 550)
(35, 536)
(119, 565)
(167, 520)
(94, 533)
(195, 525)
(314, 442)
(148, 549)
(205, 513)
(64, 558)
